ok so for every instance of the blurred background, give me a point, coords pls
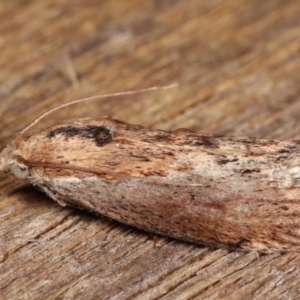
(237, 65)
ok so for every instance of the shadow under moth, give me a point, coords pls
(238, 193)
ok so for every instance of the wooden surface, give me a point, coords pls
(237, 65)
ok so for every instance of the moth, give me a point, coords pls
(238, 193)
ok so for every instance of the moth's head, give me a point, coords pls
(10, 163)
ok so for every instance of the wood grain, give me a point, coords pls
(237, 66)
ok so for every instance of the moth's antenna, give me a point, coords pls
(98, 97)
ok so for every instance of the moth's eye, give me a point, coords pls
(20, 172)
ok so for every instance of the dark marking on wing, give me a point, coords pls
(206, 142)
(226, 161)
(100, 134)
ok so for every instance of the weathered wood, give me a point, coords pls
(237, 65)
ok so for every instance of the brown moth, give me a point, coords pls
(239, 193)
